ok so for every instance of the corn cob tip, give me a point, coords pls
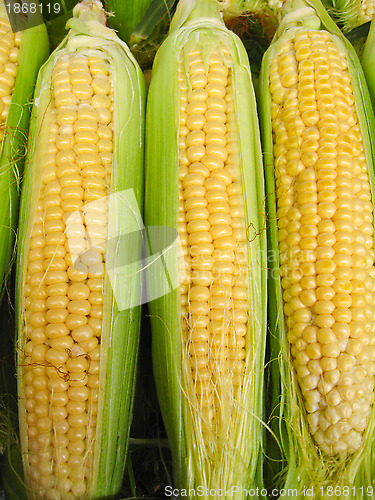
(189, 10)
(298, 13)
(90, 10)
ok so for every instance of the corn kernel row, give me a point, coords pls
(212, 233)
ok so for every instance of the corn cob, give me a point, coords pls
(21, 55)
(77, 342)
(203, 153)
(316, 129)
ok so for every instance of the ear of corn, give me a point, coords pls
(21, 55)
(318, 142)
(78, 322)
(204, 184)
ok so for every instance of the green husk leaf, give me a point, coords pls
(120, 331)
(142, 24)
(129, 15)
(149, 33)
(58, 8)
(55, 15)
(154, 14)
(358, 36)
(368, 61)
(10, 453)
(297, 462)
(11, 469)
(236, 460)
(57, 30)
(239, 6)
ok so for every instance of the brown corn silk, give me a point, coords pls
(367, 61)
